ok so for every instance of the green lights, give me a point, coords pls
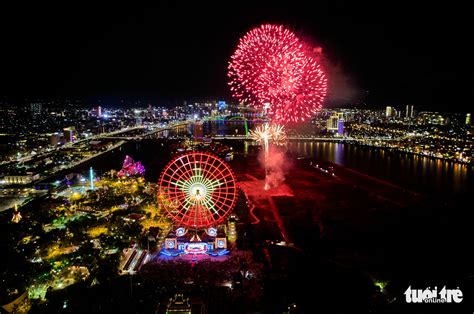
(381, 284)
(198, 190)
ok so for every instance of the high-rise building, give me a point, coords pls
(389, 112)
(221, 105)
(99, 111)
(36, 108)
(138, 121)
(69, 134)
(332, 122)
(410, 111)
(468, 119)
(340, 127)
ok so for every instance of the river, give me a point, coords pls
(417, 173)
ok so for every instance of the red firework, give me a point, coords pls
(272, 66)
(197, 190)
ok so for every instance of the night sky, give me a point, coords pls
(392, 53)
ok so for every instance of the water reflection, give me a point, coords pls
(413, 171)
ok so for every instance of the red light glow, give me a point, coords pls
(272, 66)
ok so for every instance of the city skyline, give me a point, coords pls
(170, 53)
(279, 157)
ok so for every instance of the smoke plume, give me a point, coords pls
(342, 88)
(277, 165)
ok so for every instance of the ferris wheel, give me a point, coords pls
(197, 190)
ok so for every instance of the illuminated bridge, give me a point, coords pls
(177, 127)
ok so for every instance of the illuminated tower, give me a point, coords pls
(389, 112)
(91, 178)
(468, 119)
(332, 122)
(69, 134)
(340, 127)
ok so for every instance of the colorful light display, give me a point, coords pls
(131, 168)
(197, 190)
(91, 179)
(195, 248)
(180, 232)
(212, 232)
(272, 67)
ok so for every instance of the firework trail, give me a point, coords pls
(264, 135)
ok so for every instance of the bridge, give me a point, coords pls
(182, 126)
(255, 118)
(177, 126)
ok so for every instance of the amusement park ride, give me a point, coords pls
(198, 192)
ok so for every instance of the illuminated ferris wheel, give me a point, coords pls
(197, 190)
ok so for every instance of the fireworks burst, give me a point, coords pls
(274, 133)
(271, 65)
(264, 134)
(278, 134)
(261, 133)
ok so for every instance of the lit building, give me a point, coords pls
(468, 119)
(410, 111)
(99, 111)
(433, 118)
(36, 108)
(131, 168)
(69, 134)
(332, 123)
(340, 127)
(211, 242)
(222, 105)
(178, 304)
(20, 179)
(54, 139)
(389, 112)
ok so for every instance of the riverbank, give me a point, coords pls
(387, 148)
